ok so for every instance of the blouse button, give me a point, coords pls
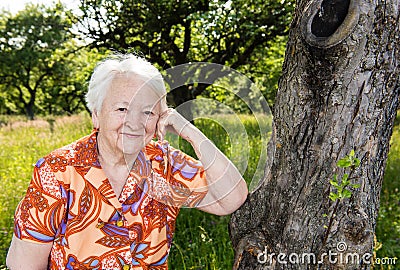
(100, 225)
(120, 223)
(126, 267)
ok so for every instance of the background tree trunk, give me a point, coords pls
(339, 91)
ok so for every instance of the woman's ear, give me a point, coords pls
(95, 120)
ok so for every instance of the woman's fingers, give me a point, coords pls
(162, 123)
(160, 132)
(171, 121)
(161, 128)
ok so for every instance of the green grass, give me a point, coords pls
(388, 225)
(22, 144)
(201, 240)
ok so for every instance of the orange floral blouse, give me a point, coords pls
(70, 202)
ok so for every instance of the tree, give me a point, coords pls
(28, 43)
(339, 92)
(171, 33)
(65, 92)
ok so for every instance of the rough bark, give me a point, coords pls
(339, 91)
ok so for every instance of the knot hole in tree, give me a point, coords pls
(329, 17)
(326, 23)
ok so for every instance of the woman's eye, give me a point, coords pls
(148, 112)
(122, 109)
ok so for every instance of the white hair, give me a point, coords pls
(117, 64)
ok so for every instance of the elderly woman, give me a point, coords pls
(110, 199)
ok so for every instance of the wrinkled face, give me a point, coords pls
(128, 117)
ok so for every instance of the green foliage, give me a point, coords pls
(349, 161)
(264, 70)
(65, 92)
(45, 68)
(233, 33)
(28, 42)
(342, 188)
(41, 71)
(265, 67)
(342, 191)
(176, 32)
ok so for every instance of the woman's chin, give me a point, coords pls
(132, 147)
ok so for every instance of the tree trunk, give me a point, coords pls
(30, 113)
(187, 81)
(339, 91)
(182, 97)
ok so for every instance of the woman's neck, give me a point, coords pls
(112, 157)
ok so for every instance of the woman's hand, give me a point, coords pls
(172, 121)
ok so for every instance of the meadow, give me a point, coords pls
(201, 240)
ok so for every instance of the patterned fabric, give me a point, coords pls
(70, 202)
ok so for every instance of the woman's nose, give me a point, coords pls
(135, 120)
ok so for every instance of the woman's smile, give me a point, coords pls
(131, 135)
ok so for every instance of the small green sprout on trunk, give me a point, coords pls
(341, 186)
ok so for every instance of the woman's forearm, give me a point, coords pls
(226, 188)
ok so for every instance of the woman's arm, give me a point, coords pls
(226, 188)
(27, 255)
